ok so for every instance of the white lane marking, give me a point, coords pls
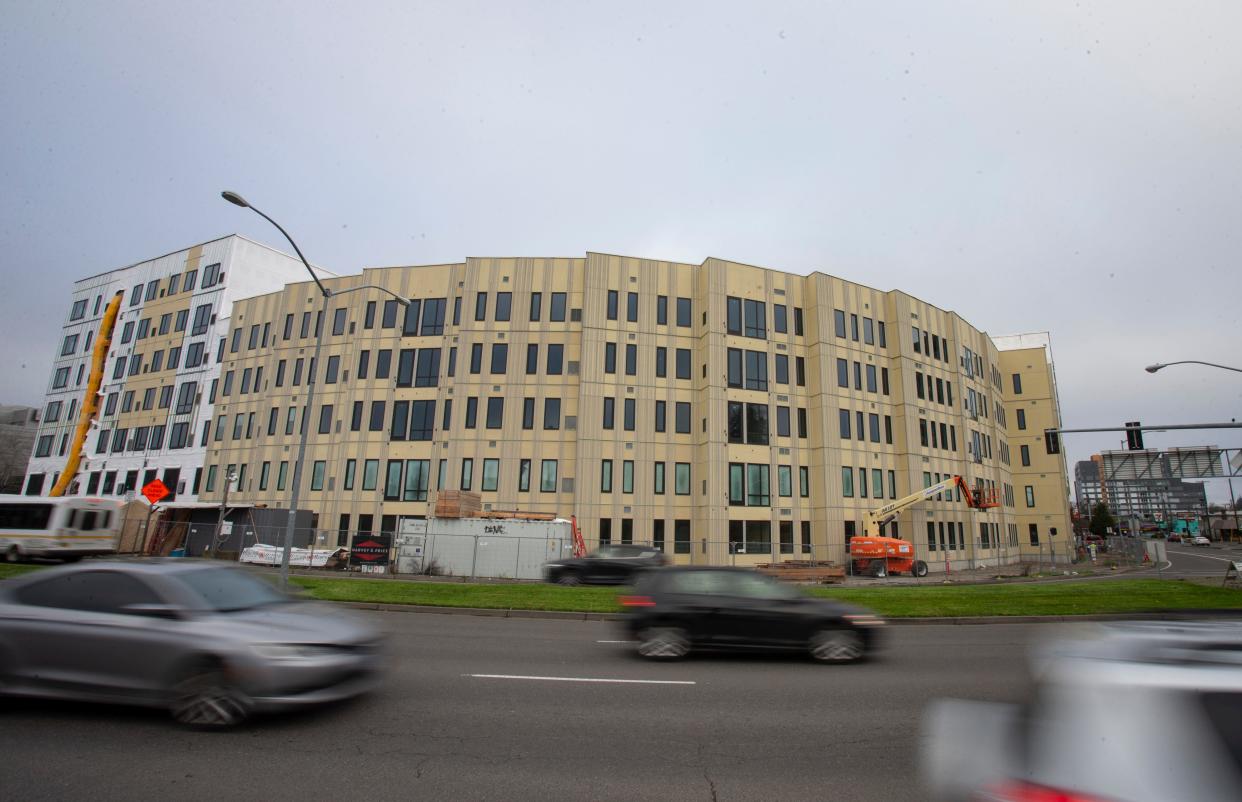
(586, 679)
(1205, 556)
(616, 641)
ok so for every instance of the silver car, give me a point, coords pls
(1132, 712)
(210, 642)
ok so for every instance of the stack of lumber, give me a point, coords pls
(516, 514)
(803, 571)
(458, 504)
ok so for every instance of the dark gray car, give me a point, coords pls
(210, 642)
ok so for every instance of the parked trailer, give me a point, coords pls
(488, 548)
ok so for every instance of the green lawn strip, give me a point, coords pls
(440, 594)
(1067, 598)
(16, 569)
(1054, 598)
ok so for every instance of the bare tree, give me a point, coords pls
(14, 456)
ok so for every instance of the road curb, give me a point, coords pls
(1180, 615)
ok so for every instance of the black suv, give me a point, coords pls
(609, 565)
(677, 609)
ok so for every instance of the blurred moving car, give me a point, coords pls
(210, 642)
(608, 565)
(1200, 540)
(675, 610)
(1137, 712)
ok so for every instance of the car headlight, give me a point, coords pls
(292, 651)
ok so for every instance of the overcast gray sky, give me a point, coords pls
(1070, 167)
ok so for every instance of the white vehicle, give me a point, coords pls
(1200, 540)
(66, 528)
(1141, 712)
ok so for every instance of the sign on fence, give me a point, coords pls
(370, 550)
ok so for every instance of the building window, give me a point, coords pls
(1026, 455)
(605, 476)
(491, 469)
(1030, 496)
(756, 370)
(610, 357)
(504, 303)
(683, 313)
(657, 482)
(467, 474)
(556, 356)
(681, 478)
(1033, 530)
(480, 306)
(1017, 385)
(524, 476)
(1021, 418)
(681, 536)
(758, 486)
(536, 306)
(847, 481)
(547, 471)
(661, 310)
(661, 408)
(551, 413)
(681, 411)
(683, 363)
(472, 413)
(557, 312)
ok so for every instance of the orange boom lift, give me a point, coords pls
(880, 556)
(90, 402)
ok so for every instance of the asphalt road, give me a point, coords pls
(1201, 562)
(763, 728)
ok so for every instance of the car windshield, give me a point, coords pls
(759, 587)
(227, 590)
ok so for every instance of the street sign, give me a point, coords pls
(155, 490)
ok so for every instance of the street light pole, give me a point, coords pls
(308, 409)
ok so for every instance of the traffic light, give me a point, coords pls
(1052, 441)
(1134, 435)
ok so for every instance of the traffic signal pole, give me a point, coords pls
(1052, 440)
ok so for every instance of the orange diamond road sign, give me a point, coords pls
(155, 490)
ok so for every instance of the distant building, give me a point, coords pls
(161, 372)
(1150, 499)
(17, 436)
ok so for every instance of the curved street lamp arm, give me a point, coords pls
(309, 269)
(398, 298)
(1158, 366)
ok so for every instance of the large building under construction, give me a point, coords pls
(721, 411)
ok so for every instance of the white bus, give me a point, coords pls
(65, 528)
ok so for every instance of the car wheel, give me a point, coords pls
(879, 570)
(920, 568)
(663, 643)
(569, 580)
(205, 699)
(838, 645)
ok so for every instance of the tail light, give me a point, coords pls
(1026, 792)
(637, 601)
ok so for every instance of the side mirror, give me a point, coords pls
(167, 611)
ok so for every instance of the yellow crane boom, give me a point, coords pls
(90, 402)
(878, 517)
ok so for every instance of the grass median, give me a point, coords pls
(1060, 598)
(904, 601)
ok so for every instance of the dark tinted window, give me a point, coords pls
(96, 591)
